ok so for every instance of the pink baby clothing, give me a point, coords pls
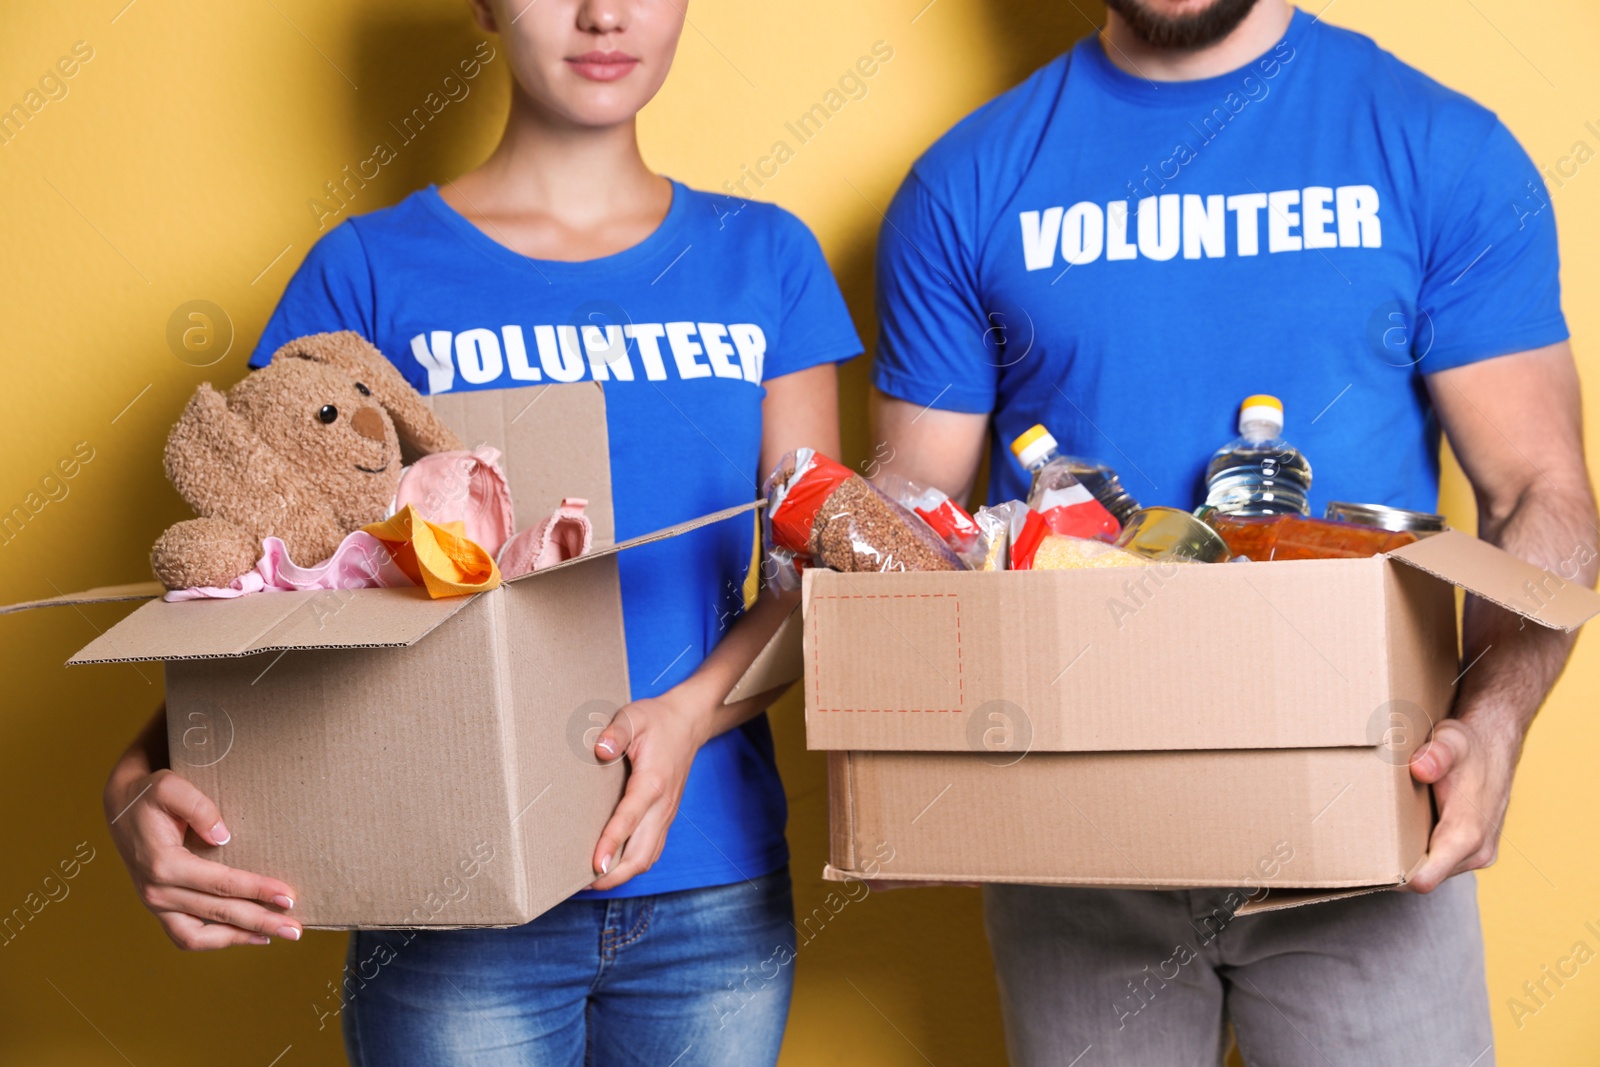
(566, 534)
(466, 487)
(360, 562)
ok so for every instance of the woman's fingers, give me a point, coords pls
(616, 737)
(201, 904)
(230, 911)
(179, 868)
(642, 849)
(195, 935)
(642, 791)
(661, 750)
(179, 796)
(221, 880)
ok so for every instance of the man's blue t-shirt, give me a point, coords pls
(683, 329)
(1124, 261)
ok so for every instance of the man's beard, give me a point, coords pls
(1189, 31)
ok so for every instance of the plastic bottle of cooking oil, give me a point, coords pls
(1258, 472)
(1037, 450)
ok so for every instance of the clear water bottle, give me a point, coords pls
(1036, 449)
(1258, 472)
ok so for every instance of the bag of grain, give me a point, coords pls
(952, 522)
(822, 514)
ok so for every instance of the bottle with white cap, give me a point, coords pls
(1258, 472)
(1059, 479)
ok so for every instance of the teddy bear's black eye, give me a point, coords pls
(328, 413)
(363, 390)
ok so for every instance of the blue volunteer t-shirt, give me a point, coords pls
(683, 329)
(1124, 261)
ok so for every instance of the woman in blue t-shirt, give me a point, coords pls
(715, 325)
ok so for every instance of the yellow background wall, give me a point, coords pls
(178, 167)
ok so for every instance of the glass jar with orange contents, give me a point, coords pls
(1278, 537)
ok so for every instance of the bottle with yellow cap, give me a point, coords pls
(1037, 451)
(1258, 472)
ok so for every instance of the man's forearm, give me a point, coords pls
(1510, 664)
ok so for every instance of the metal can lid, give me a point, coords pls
(1163, 534)
(1384, 517)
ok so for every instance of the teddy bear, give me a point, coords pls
(307, 449)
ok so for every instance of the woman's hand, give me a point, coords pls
(660, 736)
(201, 904)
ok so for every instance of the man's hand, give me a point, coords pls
(660, 737)
(1471, 778)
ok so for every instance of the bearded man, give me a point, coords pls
(1212, 199)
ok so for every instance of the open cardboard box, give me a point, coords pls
(1163, 727)
(409, 762)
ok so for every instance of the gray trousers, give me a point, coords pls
(1141, 978)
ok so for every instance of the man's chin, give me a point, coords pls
(1195, 28)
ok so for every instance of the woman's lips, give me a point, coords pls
(603, 66)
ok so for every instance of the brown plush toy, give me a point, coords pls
(307, 449)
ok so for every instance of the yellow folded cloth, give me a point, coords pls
(437, 556)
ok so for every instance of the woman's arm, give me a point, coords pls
(201, 904)
(661, 735)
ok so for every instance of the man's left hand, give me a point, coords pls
(1470, 772)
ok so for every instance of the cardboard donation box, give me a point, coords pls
(408, 762)
(1245, 724)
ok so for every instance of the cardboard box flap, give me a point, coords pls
(560, 430)
(105, 594)
(1501, 578)
(268, 622)
(1276, 899)
(1279, 899)
(601, 551)
(1291, 897)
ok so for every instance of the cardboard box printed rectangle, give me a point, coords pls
(411, 762)
(1178, 726)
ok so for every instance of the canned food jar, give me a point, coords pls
(1167, 534)
(1385, 518)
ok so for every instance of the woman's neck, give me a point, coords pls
(554, 190)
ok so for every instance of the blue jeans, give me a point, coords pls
(701, 976)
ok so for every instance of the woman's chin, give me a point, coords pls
(600, 118)
(600, 104)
